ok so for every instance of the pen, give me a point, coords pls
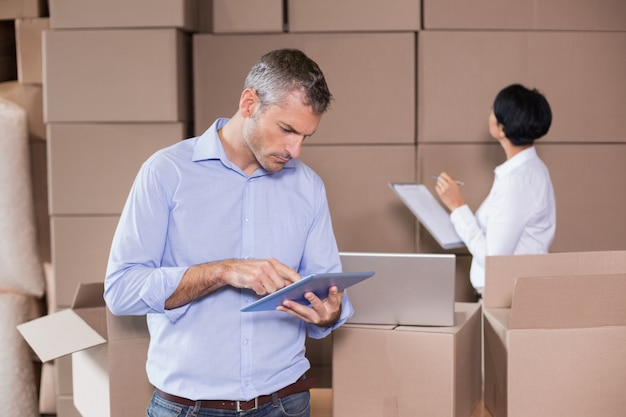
(436, 177)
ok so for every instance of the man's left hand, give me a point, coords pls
(322, 313)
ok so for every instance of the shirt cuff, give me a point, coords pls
(158, 289)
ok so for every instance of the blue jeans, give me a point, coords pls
(296, 405)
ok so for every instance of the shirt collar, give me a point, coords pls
(209, 147)
(517, 161)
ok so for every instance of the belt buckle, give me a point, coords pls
(238, 405)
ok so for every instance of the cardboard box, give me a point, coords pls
(14, 9)
(65, 407)
(357, 196)
(553, 329)
(502, 271)
(108, 354)
(456, 89)
(101, 185)
(28, 39)
(81, 246)
(319, 352)
(349, 61)
(577, 15)
(409, 371)
(121, 75)
(353, 15)
(244, 16)
(81, 14)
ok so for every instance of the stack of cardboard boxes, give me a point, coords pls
(117, 84)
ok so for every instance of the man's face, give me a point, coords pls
(275, 134)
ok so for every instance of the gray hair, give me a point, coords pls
(284, 71)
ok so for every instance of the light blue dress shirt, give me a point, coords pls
(189, 205)
(518, 217)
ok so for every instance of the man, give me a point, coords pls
(216, 221)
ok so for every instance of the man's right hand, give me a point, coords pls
(263, 276)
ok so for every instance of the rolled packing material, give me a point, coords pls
(17, 363)
(20, 265)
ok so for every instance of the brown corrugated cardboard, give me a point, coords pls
(367, 215)
(460, 73)
(580, 227)
(65, 407)
(319, 352)
(80, 14)
(108, 353)
(589, 210)
(47, 390)
(464, 291)
(502, 271)
(526, 14)
(594, 64)
(63, 375)
(371, 76)
(566, 302)
(243, 16)
(81, 246)
(353, 15)
(28, 34)
(558, 350)
(136, 75)
(14, 9)
(85, 185)
(408, 371)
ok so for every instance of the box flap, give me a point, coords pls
(59, 334)
(502, 271)
(89, 295)
(574, 301)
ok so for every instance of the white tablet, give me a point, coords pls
(316, 283)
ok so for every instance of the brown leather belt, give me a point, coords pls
(301, 385)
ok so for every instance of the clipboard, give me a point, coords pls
(316, 283)
(430, 213)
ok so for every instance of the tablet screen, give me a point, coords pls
(316, 283)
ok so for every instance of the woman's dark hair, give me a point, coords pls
(525, 114)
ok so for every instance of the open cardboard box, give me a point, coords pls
(554, 334)
(408, 371)
(108, 353)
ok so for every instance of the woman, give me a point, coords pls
(519, 214)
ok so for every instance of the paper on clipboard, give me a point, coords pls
(429, 212)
